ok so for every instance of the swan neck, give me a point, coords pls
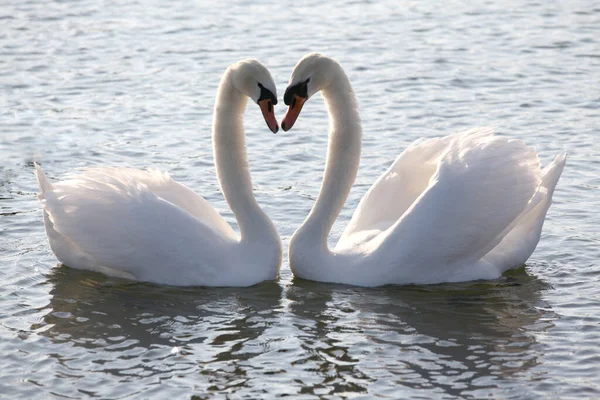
(343, 157)
(231, 161)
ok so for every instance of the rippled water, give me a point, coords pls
(132, 84)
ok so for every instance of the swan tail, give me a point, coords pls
(67, 252)
(46, 194)
(552, 172)
(47, 197)
(44, 184)
(519, 242)
(51, 203)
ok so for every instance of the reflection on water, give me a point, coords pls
(88, 306)
(138, 329)
(456, 339)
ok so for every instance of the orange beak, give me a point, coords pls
(266, 106)
(292, 113)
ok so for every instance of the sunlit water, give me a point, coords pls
(132, 84)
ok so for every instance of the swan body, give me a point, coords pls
(145, 226)
(463, 207)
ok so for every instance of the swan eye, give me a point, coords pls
(299, 89)
(266, 94)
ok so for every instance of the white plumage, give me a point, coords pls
(462, 207)
(143, 225)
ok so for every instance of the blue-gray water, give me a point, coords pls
(130, 83)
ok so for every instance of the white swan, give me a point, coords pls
(462, 207)
(143, 225)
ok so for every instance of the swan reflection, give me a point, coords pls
(451, 338)
(148, 331)
(455, 339)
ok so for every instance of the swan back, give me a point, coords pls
(128, 182)
(120, 223)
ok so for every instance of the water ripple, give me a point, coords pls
(132, 84)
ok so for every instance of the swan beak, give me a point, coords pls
(292, 113)
(266, 106)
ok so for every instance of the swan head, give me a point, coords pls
(254, 80)
(314, 72)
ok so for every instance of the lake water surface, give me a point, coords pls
(132, 83)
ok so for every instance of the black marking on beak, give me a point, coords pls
(266, 94)
(299, 89)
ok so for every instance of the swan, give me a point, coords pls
(144, 226)
(463, 207)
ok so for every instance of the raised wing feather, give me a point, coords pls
(482, 184)
(397, 188)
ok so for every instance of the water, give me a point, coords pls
(132, 84)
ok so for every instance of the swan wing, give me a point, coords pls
(482, 184)
(100, 220)
(398, 187)
(159, 183)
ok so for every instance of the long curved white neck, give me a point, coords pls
(231, 162)
(343, 158)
